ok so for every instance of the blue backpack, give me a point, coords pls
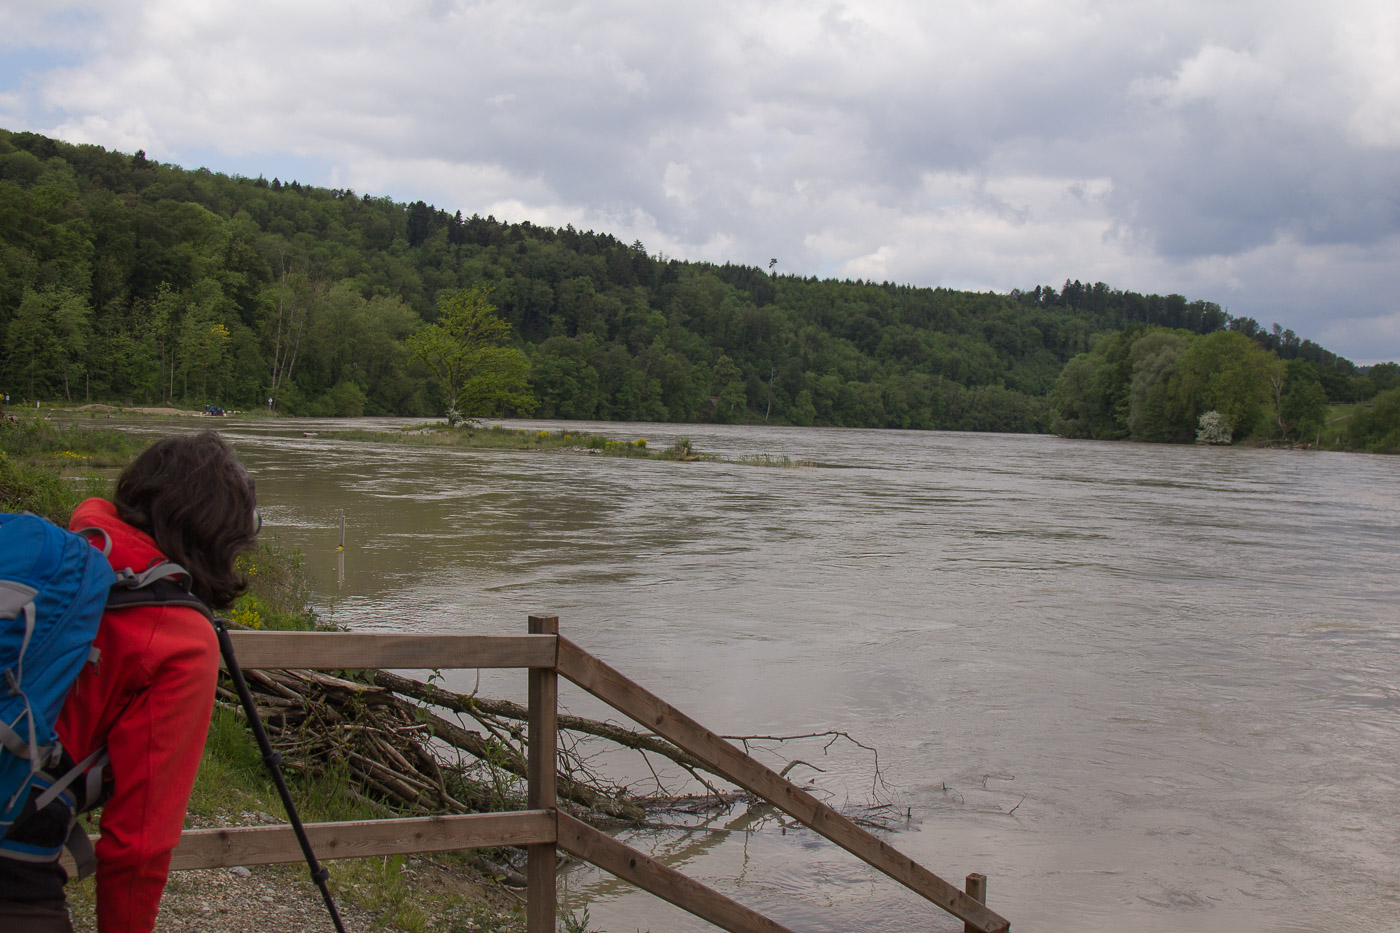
(54, 586)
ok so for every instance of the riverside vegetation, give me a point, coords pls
(497, 437)
(1152, 383)
(130, 281)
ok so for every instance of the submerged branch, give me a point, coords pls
(419, 749)
(481, 707)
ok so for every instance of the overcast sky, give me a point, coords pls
(1242, 152)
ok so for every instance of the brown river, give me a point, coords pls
(1142, 688)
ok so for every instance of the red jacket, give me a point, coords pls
(149, 699)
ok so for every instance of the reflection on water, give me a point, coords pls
(1176, 665)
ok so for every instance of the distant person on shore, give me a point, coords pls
(149, 697)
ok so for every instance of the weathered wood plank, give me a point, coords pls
(351, 650)
(265, 845)
(541, 904)
(665, 720)
(591, 845)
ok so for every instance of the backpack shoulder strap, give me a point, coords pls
(158, 589)
(165, 570)
(92, 533)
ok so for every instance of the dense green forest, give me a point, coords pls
(126, 280)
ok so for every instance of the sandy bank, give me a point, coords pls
(137, 411)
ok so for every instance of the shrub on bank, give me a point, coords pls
(1375, 427)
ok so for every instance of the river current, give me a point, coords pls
(1142, 688)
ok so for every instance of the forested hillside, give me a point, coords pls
(127, 280)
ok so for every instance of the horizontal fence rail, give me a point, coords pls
(267, 845)
(335, 651)
(542, 828)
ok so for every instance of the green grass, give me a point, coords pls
(496, 437)
(35, 439)
(1359, 428)
(48, 469)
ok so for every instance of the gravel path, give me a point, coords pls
(282, 899)
(242, 900)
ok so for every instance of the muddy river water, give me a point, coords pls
(1142, 688)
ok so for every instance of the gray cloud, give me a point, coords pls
(1243, 153)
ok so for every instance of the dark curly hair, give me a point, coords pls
(197, 501)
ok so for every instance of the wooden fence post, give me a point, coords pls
(977, 890)
(541, 904)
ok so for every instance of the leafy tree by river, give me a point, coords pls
(1153, 384)
(465, 351)
(124, 279)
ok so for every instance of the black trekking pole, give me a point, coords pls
(273, 760)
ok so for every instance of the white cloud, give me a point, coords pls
(1229, 78)
(1371, 69)
(677, 183)
(125, 130)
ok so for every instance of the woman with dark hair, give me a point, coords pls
(150, 694)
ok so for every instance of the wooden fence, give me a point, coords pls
(543, 829)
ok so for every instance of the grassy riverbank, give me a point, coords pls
(500, 437)
(48, 469)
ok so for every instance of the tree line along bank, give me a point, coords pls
(127, 280)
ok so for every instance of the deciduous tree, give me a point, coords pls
(1301, 400)
(1225, 372)
(1151, 417)
(48, 338)
(465, 351)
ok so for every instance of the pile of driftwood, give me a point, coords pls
(414, 748)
